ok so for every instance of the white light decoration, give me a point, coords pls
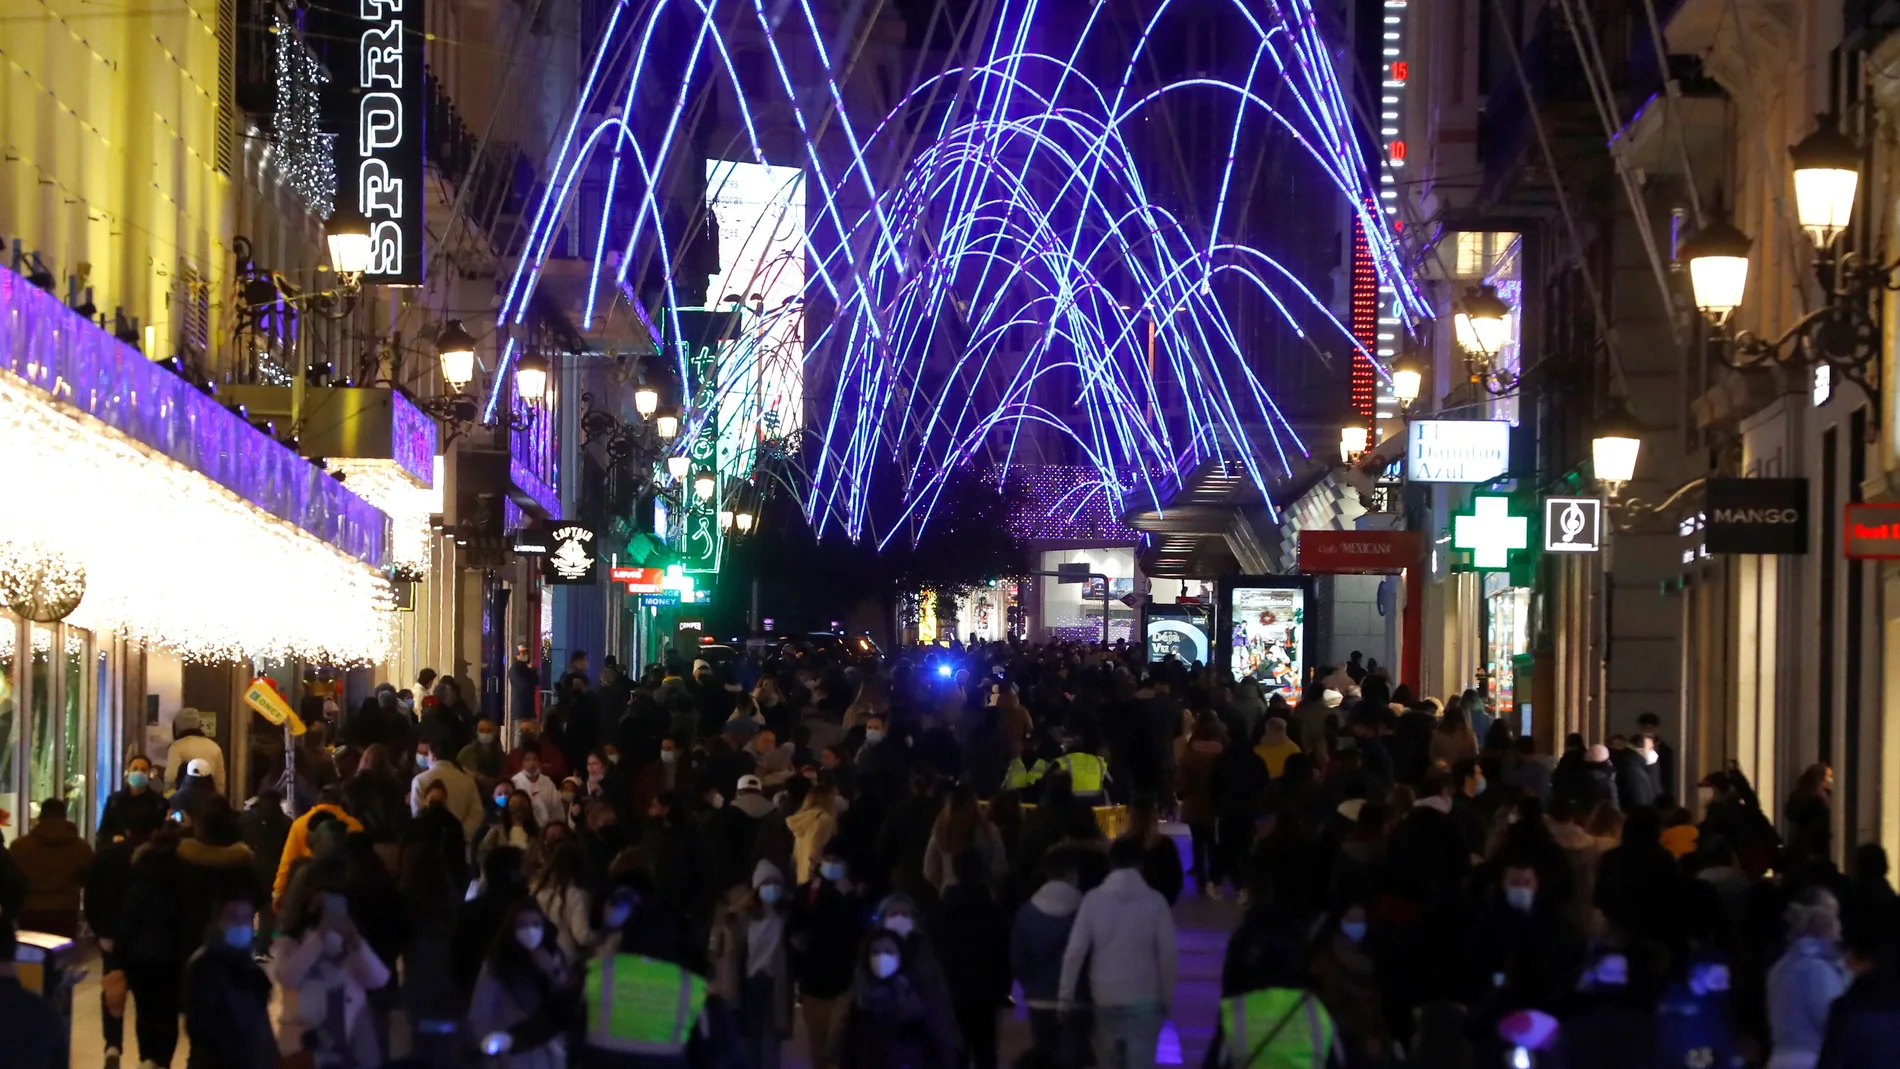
(1482, 322)
(703, 486)
(725, 519)
(1826, 177)
(388, 486)
(39, 582)
(301, 151)
(646, 401)
(1718, 268)
(172, 558)
(1352, 442)
(1406, 382)
(744, 521)
(677, 466)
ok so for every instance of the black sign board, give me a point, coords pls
(380, 155)
(572, 556)
(1768, 516)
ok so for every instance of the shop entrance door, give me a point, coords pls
(48, 719)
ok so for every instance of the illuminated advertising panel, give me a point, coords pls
(380, 165)
(760, 211)
(1263, 622)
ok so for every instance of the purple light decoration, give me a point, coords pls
(1012, 212)
(86, 370)
(412, 436)
(1067, 503)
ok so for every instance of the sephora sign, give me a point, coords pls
(384, 159)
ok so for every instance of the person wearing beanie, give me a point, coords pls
(750, 967)
(189, 743)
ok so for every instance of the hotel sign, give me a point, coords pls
(1457, 450)
(381, 161)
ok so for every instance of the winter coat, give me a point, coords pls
(1347, 983)
(1639, 889)
(1426, 854)
(1635, 785)
(1038, 939)
(811, 830)
(120, 807)
(265, 829)
(893, 1026)
(205, 874)
(1863, 1028)
(500, 1005)
(568, 909)
(188, 748)
(824, 929)
(1125, 933)
(1161, 867)
(731, 954)
(1240, 775)
(12, 884)
(1802, 985)
(464, 800)
(544, 794)
(106, 886)
(54, 860)
(307, 978)
(1194, 781)
(972, 939)
(1448, 748)
(940, 865)
(227, 1011)
(151, 920)
(297, 844)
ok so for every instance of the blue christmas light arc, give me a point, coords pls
(1012, 208)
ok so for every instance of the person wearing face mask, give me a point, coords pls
(1470, 809)
(326, 971)
(1347, 983)
(541, 789)
(484, 758)
(226, 994)
(670, 768)
(523, 999)
(892, 1022)
(1523, 934)
(750, 963)
(1636, 784)
(137, 796)
(824, 929)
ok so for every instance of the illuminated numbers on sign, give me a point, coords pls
(1401, 70)
(1398, 152)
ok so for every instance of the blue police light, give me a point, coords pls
(944, 670)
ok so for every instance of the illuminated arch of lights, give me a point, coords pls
(1016, 209)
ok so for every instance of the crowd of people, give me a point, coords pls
(670, 870)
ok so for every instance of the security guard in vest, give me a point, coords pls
(1275, 1028)
(1021, 777)
(1088, 772)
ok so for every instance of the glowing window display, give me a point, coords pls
(1268, 636)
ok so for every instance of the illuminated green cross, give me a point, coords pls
(1490, 532)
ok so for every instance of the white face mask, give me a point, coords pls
(529, 938)
(873, 735)
(769, 893)
(715, 800)
(1520, 898)
(667, 757)
(831, 870)
(884, 965)
(900, 923)
(1650, 757)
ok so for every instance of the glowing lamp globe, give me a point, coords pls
(347, 234)
(1718, 268)
(1483, 321)
(1616, 444)
(455, 348)
(1352, 442)
(531, 378)
(744, 520)
(1406, 381)
(725, 519)
(646, 401)
(666, 424)
(677, 467)
(703, 486)
(1826, 177)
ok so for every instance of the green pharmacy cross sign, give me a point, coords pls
(1490, 532)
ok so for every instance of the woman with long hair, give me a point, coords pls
(1454, 740)
(813, 826)
(522, 999)
(1810, 823)
(891, 1022)
(326, 971)
(560, 888)
(961, 826)
(515, 827)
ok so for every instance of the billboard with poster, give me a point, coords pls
(1264, 633)
(1180, 631)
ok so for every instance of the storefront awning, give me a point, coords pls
(194, 530)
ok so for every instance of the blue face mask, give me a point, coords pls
(769, 893)
(137, 780)
(238, 936)
(1353, 930)
(831, 870)
(423, 761)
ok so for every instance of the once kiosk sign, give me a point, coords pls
(1457, 450)
(1756, 516)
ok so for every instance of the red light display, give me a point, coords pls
(1365, 321)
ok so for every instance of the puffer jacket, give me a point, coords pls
(1039, 937)
(297, 844)
(811, 830)
(55, 861)
(206, 873)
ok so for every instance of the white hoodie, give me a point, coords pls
(1125, 932)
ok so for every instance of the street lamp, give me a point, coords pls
(347, 234)
(1613, 450)
(744, 520)
(1352, 442)
(703, 486)
(1826, 177)
(725, 519)
(1718, 268)
(666, 422)
(677, 466)
(1406, 381)
(531, 378)
(455, 348)
(646, 401)
(1483, 321)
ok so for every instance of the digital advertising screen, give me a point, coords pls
(1266, 629)
(1179, 631)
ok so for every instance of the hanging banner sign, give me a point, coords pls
(639, 580)
(1456, 450)
(380, 160)
(1573, 524)
(573, 558)
(1751, 516)
(1359, 552)
(1872, 532)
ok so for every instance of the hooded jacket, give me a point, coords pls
(812, 829)
(1125, 933)
(297, 844)
(54, 860)
(206, 872)
(1039, 937)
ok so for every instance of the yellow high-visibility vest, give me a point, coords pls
(1276, 1028)
(638, 1005)
(1020, 777)
(1086, 772)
